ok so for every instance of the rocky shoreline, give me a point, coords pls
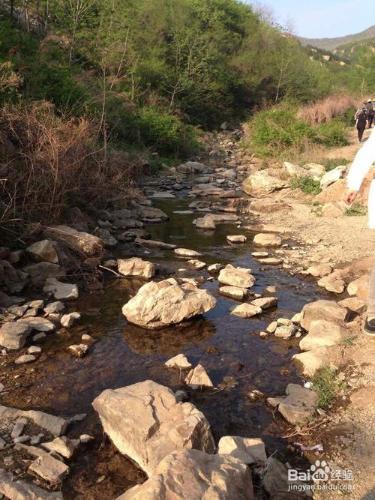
(156, 428)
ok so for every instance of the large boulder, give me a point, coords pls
(324, 333)
(315, 170)
(294, 170)
(311, 361)
(136, 267)
(322, 310)
(43, 251)
(81, 242)
(146, 423)
(165, 303)
(261, 183)
(18, 489)
(334, 192)
(247, 450)
(236, 276)
(194, 475)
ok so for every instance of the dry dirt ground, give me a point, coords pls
(348, 432)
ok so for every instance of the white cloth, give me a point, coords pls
(362, 163)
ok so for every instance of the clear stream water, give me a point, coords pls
(227, 346)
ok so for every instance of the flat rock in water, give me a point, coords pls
(198, 377)
(246, 311)
(267, 240)
(271, 261)
(298, 405)
(214, 268)
(20, 489)
(79, 350)
(247, 450)
(197, 264)
(154, 244)
(50, 469)
(332, 283)
(180, 361)
(236, 276)
(194, 475)
(136, 267)
(60, 291)
(146, 423)
(185, 252)
(265, 302)
(319, 270)
(237, 238)
(165, 303)
(233, 292)
(13, 335)
(260, 255)
(206, 222)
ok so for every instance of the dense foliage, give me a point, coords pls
(127, 61)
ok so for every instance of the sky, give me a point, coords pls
(322, 18)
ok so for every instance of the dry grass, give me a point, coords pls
(324, 110)
(49, 162)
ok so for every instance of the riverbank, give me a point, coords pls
(194, 206)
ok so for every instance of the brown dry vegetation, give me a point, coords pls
(325, 109)
(49, 162)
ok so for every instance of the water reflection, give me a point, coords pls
(169, 341)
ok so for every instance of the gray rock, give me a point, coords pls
(136, 267)
(81, 242)
(194, 475)
(43, 251)
(22, 490)
(61, 291)
(146, 423)
(54, 307)
(42, 271)
(13, 335)
(25, 358)
(198, 377)
(39, 324)
(180, 361)
(62, 445)
(55, 425)
(49, 469)
(68, 320)
(298, 405)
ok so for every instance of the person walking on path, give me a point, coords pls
(361, 121)
(361, 165)
(370, 112)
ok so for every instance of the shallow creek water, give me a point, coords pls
(227, 346)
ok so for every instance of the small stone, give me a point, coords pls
(39, 336)
(25, 358)
(271, 328)
(34, 349)
(36, 439)
(79, 350)
(260, 255)
(39, 324)
(246, 311)
(236, 238)
(263, 335)
(181, 396)
(21, 439)
(54, 307)
(185, 252)
(44, 251)
(247, 450)
(18, 427)
(68, 320)
(87, 338)
(271, 261)
(61, 291)
(61, 445)
(267, 240)
(180, 361)
(285, 332)
(297, 318)
(233, 292)
(215, 268)
(50, 469)
(86, 438)
(198, 377)
(265, 302)
(197, 264)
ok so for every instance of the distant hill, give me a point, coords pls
(334, 43)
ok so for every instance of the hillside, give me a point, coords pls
(334, 43)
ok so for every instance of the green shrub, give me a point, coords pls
(356, 210)
(307, 184)
(327, 386)
(332, 163)
(276, 129)
(332, 134)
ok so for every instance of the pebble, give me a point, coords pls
(25, 358)
(34, 349)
